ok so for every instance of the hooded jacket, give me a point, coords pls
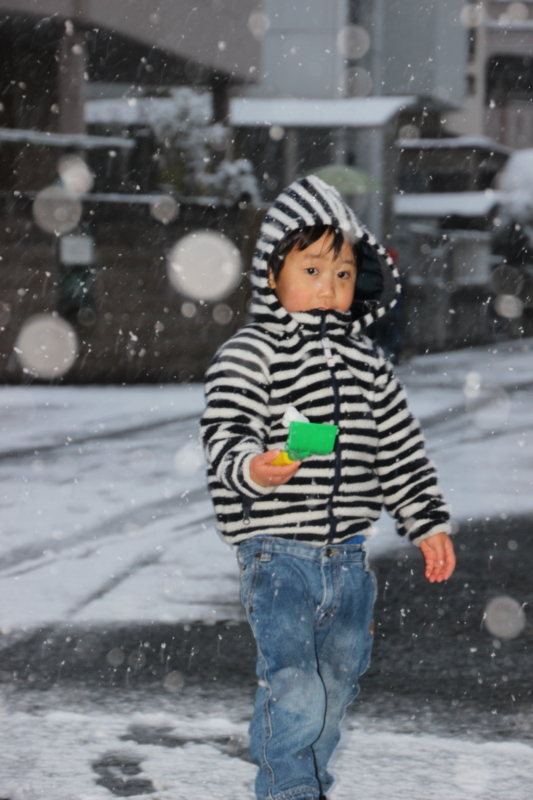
(321, 363)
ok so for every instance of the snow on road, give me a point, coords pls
(105, 515)
(105, 512)
(190, 749)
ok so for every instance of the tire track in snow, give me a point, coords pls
(116, 580)
(122, 433)
(144, 515)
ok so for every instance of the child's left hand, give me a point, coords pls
(439, 556)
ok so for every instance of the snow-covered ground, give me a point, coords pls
(105, 513)
(185, 748)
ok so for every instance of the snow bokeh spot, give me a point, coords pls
(47, 346)
(115, 657)
(189, 459)
(488, 405)
(56, 210)
(205, 265)
(76, 177)
(504, 617)
(173, 682)
(222, 314)
(517, 12)
(258, 23)
(472, 15)
(188, 310)
(353, 41)
(164, 209)
(276, 132)
(509, 306)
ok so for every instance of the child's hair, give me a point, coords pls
(303, 238)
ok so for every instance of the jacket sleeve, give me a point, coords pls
(408, 478)
(234, 426)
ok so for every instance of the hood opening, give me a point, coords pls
(376, 285)
(310, 202)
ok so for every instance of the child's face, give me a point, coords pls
(315, 278)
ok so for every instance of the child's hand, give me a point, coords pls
(265, 475)
(440, 557)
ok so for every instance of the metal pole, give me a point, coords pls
(377, 48)
(72, 71)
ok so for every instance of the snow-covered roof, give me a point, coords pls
(510, 25)
(354, 112)
(446, 204)
(148, 199)
(82, 140)
(453, 143)
(149, 110)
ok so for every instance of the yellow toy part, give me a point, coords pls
(282, 460)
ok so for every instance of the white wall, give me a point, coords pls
(300, 56)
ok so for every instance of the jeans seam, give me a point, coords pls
(266, 721)
(266, 685)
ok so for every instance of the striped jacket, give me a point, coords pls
(319, 362)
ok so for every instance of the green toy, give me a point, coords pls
(306, 439)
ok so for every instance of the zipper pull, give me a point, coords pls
(326, 344)
(246, 510)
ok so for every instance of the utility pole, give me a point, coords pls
(72, 72)
(340, 88)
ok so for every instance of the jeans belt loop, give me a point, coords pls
(266, 550)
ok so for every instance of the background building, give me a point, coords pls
(499, 74)
(85, 227)
(188, 118)
(350, 49)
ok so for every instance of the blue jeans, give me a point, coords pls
(310, 609)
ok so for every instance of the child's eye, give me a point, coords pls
(343, 274)
(312, 271)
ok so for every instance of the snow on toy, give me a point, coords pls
(305, 438)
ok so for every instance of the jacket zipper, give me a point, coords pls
(336, 418)
(246, 509)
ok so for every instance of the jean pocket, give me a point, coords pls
(248, 573)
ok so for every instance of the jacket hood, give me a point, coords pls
(307, 202)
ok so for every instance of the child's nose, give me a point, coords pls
(327, 288)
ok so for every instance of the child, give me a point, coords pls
(319, 278)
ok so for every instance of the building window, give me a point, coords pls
(509, 78)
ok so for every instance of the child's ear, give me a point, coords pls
(271, 279)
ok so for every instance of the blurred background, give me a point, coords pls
(127, 128)
(141, 143)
